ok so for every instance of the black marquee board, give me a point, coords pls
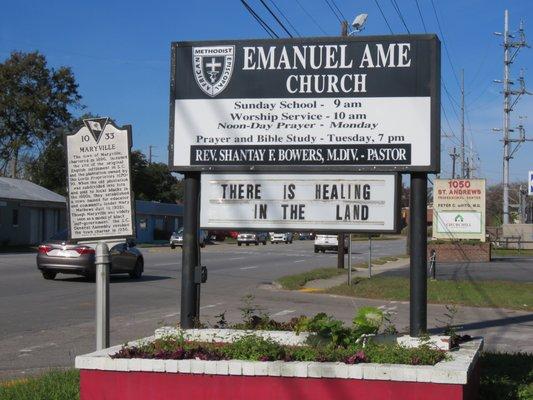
(365, 103)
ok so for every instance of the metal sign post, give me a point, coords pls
(102, 295)
(350, 260)
(418, 250)
(100, 200)
(191, 251)
(370, 256)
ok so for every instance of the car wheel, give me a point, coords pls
(172, 246)
(137, 270)
(264, 243)
(202, 245)
(256, 243)
(316, 250)
(247, 244)
(239, 244)
(49, 275)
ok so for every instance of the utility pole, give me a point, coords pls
(150, 153)
(340, 236)
(508, 59)
(463, 163)
(454, 156)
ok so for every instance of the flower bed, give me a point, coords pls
(168, 374)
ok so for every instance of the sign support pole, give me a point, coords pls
(190, 255)
(370, 256)
(102, 295)
(350, 260)
(418, 250)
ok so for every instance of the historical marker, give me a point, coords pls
(99, 181)
(317, 202)
(358, 104)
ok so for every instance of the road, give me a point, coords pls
(47, 323)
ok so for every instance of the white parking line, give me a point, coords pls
(252, 267)
(299, 261)
(283, 312)
(236, 258)
(171, 315)
(211, 306)
(165, 264)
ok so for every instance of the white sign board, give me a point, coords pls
(307, 202)
(459, 209)
(99, 182)
(454, 222)
(353, 103)
(530, 183)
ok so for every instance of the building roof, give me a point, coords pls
(20, 189)
(155, 208)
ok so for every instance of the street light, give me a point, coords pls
(358, 23)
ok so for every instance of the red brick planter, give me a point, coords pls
(461, 252)
(98, 385)
(148, 379)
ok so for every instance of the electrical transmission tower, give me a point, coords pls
(510, 98)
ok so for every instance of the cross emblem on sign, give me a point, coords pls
(213, 72)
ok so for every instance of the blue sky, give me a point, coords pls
(119, 52)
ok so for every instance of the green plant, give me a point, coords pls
(249, 311)
(326, 330)
(254, 348)
(52, 385)
(368, 320)
(450, 328)
(221, 321)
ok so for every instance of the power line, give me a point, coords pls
(311, 17)
(284, 17)
(421, 17)
(333, 11)
(444, 44)
(399, 12)
(338, 9)
(276, 18)
(383, 15)
(259, 20)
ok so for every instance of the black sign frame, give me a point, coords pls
(433, 86)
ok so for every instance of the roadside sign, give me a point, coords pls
(345, 103)
(100, 201)
(459, 209)
(530, 184)
(304, 202)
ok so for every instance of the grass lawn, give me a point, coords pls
(298, 281)
(54, 385)
(506, 376)
(496, 294)
(511, 252)
(503, 376)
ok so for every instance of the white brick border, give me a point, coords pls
(456, 370)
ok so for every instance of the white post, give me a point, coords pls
(350, 259)
(370, 256)
(102, 295)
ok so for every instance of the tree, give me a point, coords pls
(49, 168)
(154, 182)
(35, 101)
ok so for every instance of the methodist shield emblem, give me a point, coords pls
(212, 67)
